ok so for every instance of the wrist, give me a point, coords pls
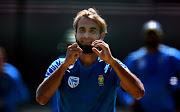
(111, 61)
(65, 64)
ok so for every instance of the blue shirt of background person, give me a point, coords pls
(88, 78)
(16, 92)
(124, 98)
(8, 94)
(13, 72)
(156, 65)
(8, 87)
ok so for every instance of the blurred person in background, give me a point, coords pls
(13, 90)
(23, 92)
(124, 99)
(8, 88)
(88, 77)
(156, 65)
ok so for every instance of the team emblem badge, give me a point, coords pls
(73, 81)
(101, 80)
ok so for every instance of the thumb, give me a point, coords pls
(96, 51)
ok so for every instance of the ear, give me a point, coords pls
(75, 34)
(102, 35)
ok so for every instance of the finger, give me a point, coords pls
(96, 51)
(78, 49)
(75, 53)
(96, 42)
(74, 49)
(102, 45)
(74, 45)
(99, 43)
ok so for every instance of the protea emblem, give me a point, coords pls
(101, 80)
(73, 81)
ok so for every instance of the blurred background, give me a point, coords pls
(33, 29)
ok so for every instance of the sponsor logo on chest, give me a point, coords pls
(73, 81)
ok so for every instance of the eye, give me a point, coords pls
(81, 30)
(93, 31)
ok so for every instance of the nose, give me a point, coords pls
(86, 34)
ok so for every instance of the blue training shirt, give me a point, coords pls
(155, 71)
(92, 89)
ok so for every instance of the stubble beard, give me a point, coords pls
(87, 49)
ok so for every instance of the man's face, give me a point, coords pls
(87, 32)
(152, 39)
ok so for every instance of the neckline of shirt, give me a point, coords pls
(88, 68)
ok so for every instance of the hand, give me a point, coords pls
(105, 53)
(73, 51)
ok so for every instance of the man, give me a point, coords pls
(88, 78)
(23, 92)
(156, 65)
(14, 73)
(8, 88)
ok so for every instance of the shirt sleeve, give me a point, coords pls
(117, 78)
(176, 60)
(54, 65)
